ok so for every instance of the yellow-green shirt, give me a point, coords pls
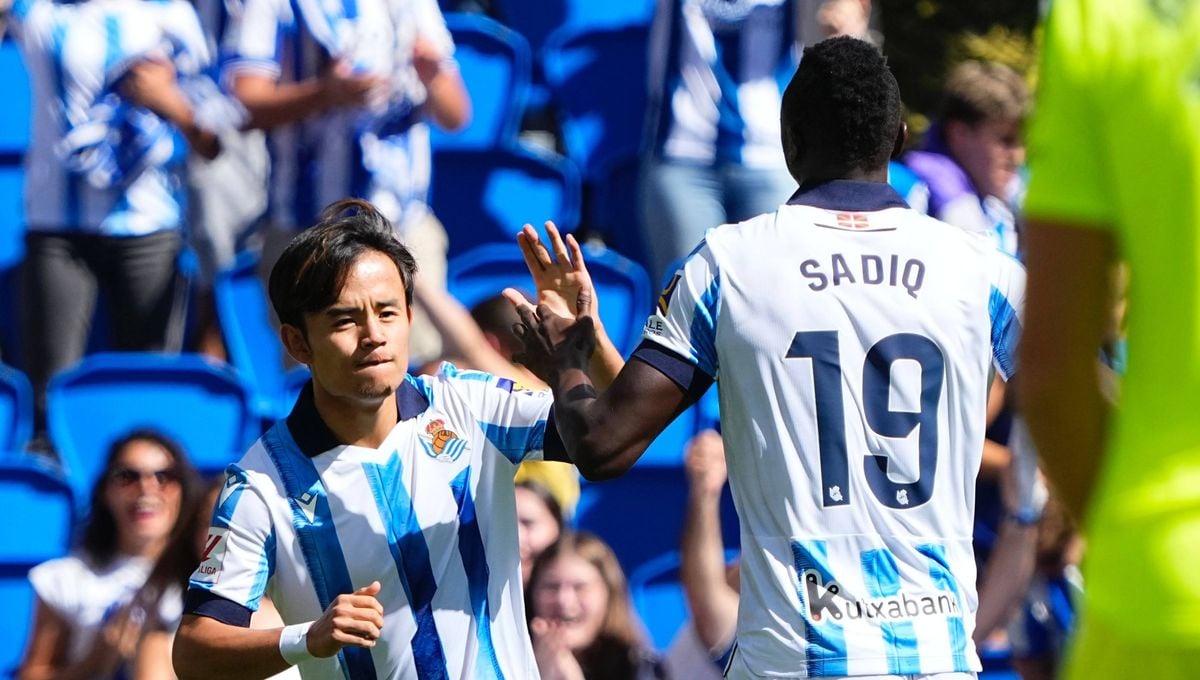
(1115, 142)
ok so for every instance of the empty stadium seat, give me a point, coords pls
(46, 510)
(15, 113)
(252, 342)
(597, 81)
(16, 409)
(640, 512)
(201, 404)
(659, 598)
(495, 65)
(486, 196)
(622, 285)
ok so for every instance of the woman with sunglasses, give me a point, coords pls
(83, 624)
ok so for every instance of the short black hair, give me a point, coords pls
(841, 111)
(312, 269)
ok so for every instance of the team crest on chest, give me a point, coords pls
(442, 444)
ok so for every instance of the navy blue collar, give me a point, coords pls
(847, 194)
(314, 437)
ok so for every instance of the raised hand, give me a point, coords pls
(704, 462)
(563, 283)
(553, 343)
(345, 87)
(554, 658)
(353, 620)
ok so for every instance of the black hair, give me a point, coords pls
(99, 539)
(841, 111)
(312, 269)
(496, 315)
(547, 498)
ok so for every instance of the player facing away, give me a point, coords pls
(851, 338)
(380, 515)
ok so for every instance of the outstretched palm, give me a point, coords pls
(561, 277)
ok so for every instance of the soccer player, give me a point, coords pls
(380, 515)
(851, 339)
(1115, 160)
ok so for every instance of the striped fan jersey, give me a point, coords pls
(851, 338)
(379, 151)
(430, 514)
(75, 53)
(717, 73)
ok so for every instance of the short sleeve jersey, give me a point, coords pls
(850, 337)
(1115, 143)
(72, 52)
(430, 514)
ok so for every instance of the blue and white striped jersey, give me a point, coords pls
(717, 74)
(430, 514)
(75, 53)
(851, 339)
(379, 152)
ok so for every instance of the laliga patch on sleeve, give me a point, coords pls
(213, 556)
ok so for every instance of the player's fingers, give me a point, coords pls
(556, 242)
(371, 589)
(528, 316)
(537, 248)
(528, 250)
(348, 638)
(365, 603)
(576, 254)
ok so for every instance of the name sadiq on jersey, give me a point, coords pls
(871, 270)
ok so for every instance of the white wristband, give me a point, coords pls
(293, 643)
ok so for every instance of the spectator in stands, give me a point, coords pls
(714, 153)
(346, 88)
(84, 626)
(580, 616)
(700, 650)
(103, 207)
(539, 523)
(973, 153)
(162, 595)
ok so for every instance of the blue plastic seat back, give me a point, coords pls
(42, 532)
(597, 81)
(201, 404)
(642, 511)
(537, 19)
(487, 196)
(659, 598)
(622, 285)
(251, 340)
(12, 210)
(16, 409)
(495, 65)
(15, 113)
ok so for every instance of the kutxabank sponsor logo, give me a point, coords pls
(829, 603)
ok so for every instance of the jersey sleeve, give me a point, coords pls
(191, 48)
(238, 556)
(254, 42)
(1006, 306)
(512, 417)
(431, 26)
(684, 321)
(1068, 168)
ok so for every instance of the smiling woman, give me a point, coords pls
(83, 625)
(583, 626)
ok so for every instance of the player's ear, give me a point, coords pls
(296, 344)
(901, 140)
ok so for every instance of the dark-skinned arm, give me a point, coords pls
(604, 433)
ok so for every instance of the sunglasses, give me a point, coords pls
(125, 477)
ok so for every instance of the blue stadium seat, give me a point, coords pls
(251, 340)
(659, 598)
(12, 211)
(15, 113)
(597, 81)
(537, 19)
(621, 284)
(640, 512)
(16, 409)
(486, 196)
(613, 210)
(203, 405)
(495, 66)
(43, 532)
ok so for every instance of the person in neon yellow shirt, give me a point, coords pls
(1115, 161)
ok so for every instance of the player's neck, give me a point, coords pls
(358, 422)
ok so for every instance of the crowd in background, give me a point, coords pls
(148, 141)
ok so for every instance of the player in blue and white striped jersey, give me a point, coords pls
(851, 339)
(380, 516)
